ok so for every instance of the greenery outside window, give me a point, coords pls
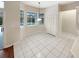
(1, 22)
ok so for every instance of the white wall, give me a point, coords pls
(1, 12)
(11, 23)
(75, 48)
(51, 19)
(68, 19)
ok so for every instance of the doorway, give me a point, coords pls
(68, 22)
(1, 23)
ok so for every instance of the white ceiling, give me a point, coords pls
(45, 4)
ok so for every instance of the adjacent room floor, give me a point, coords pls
(43, 45)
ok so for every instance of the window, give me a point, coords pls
(1, 18)
(42, 17)
(1, 4)
(21, 17)
(32, 18)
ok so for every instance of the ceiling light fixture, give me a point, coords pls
(39, 19)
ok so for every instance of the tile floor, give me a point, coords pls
(43, 45)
